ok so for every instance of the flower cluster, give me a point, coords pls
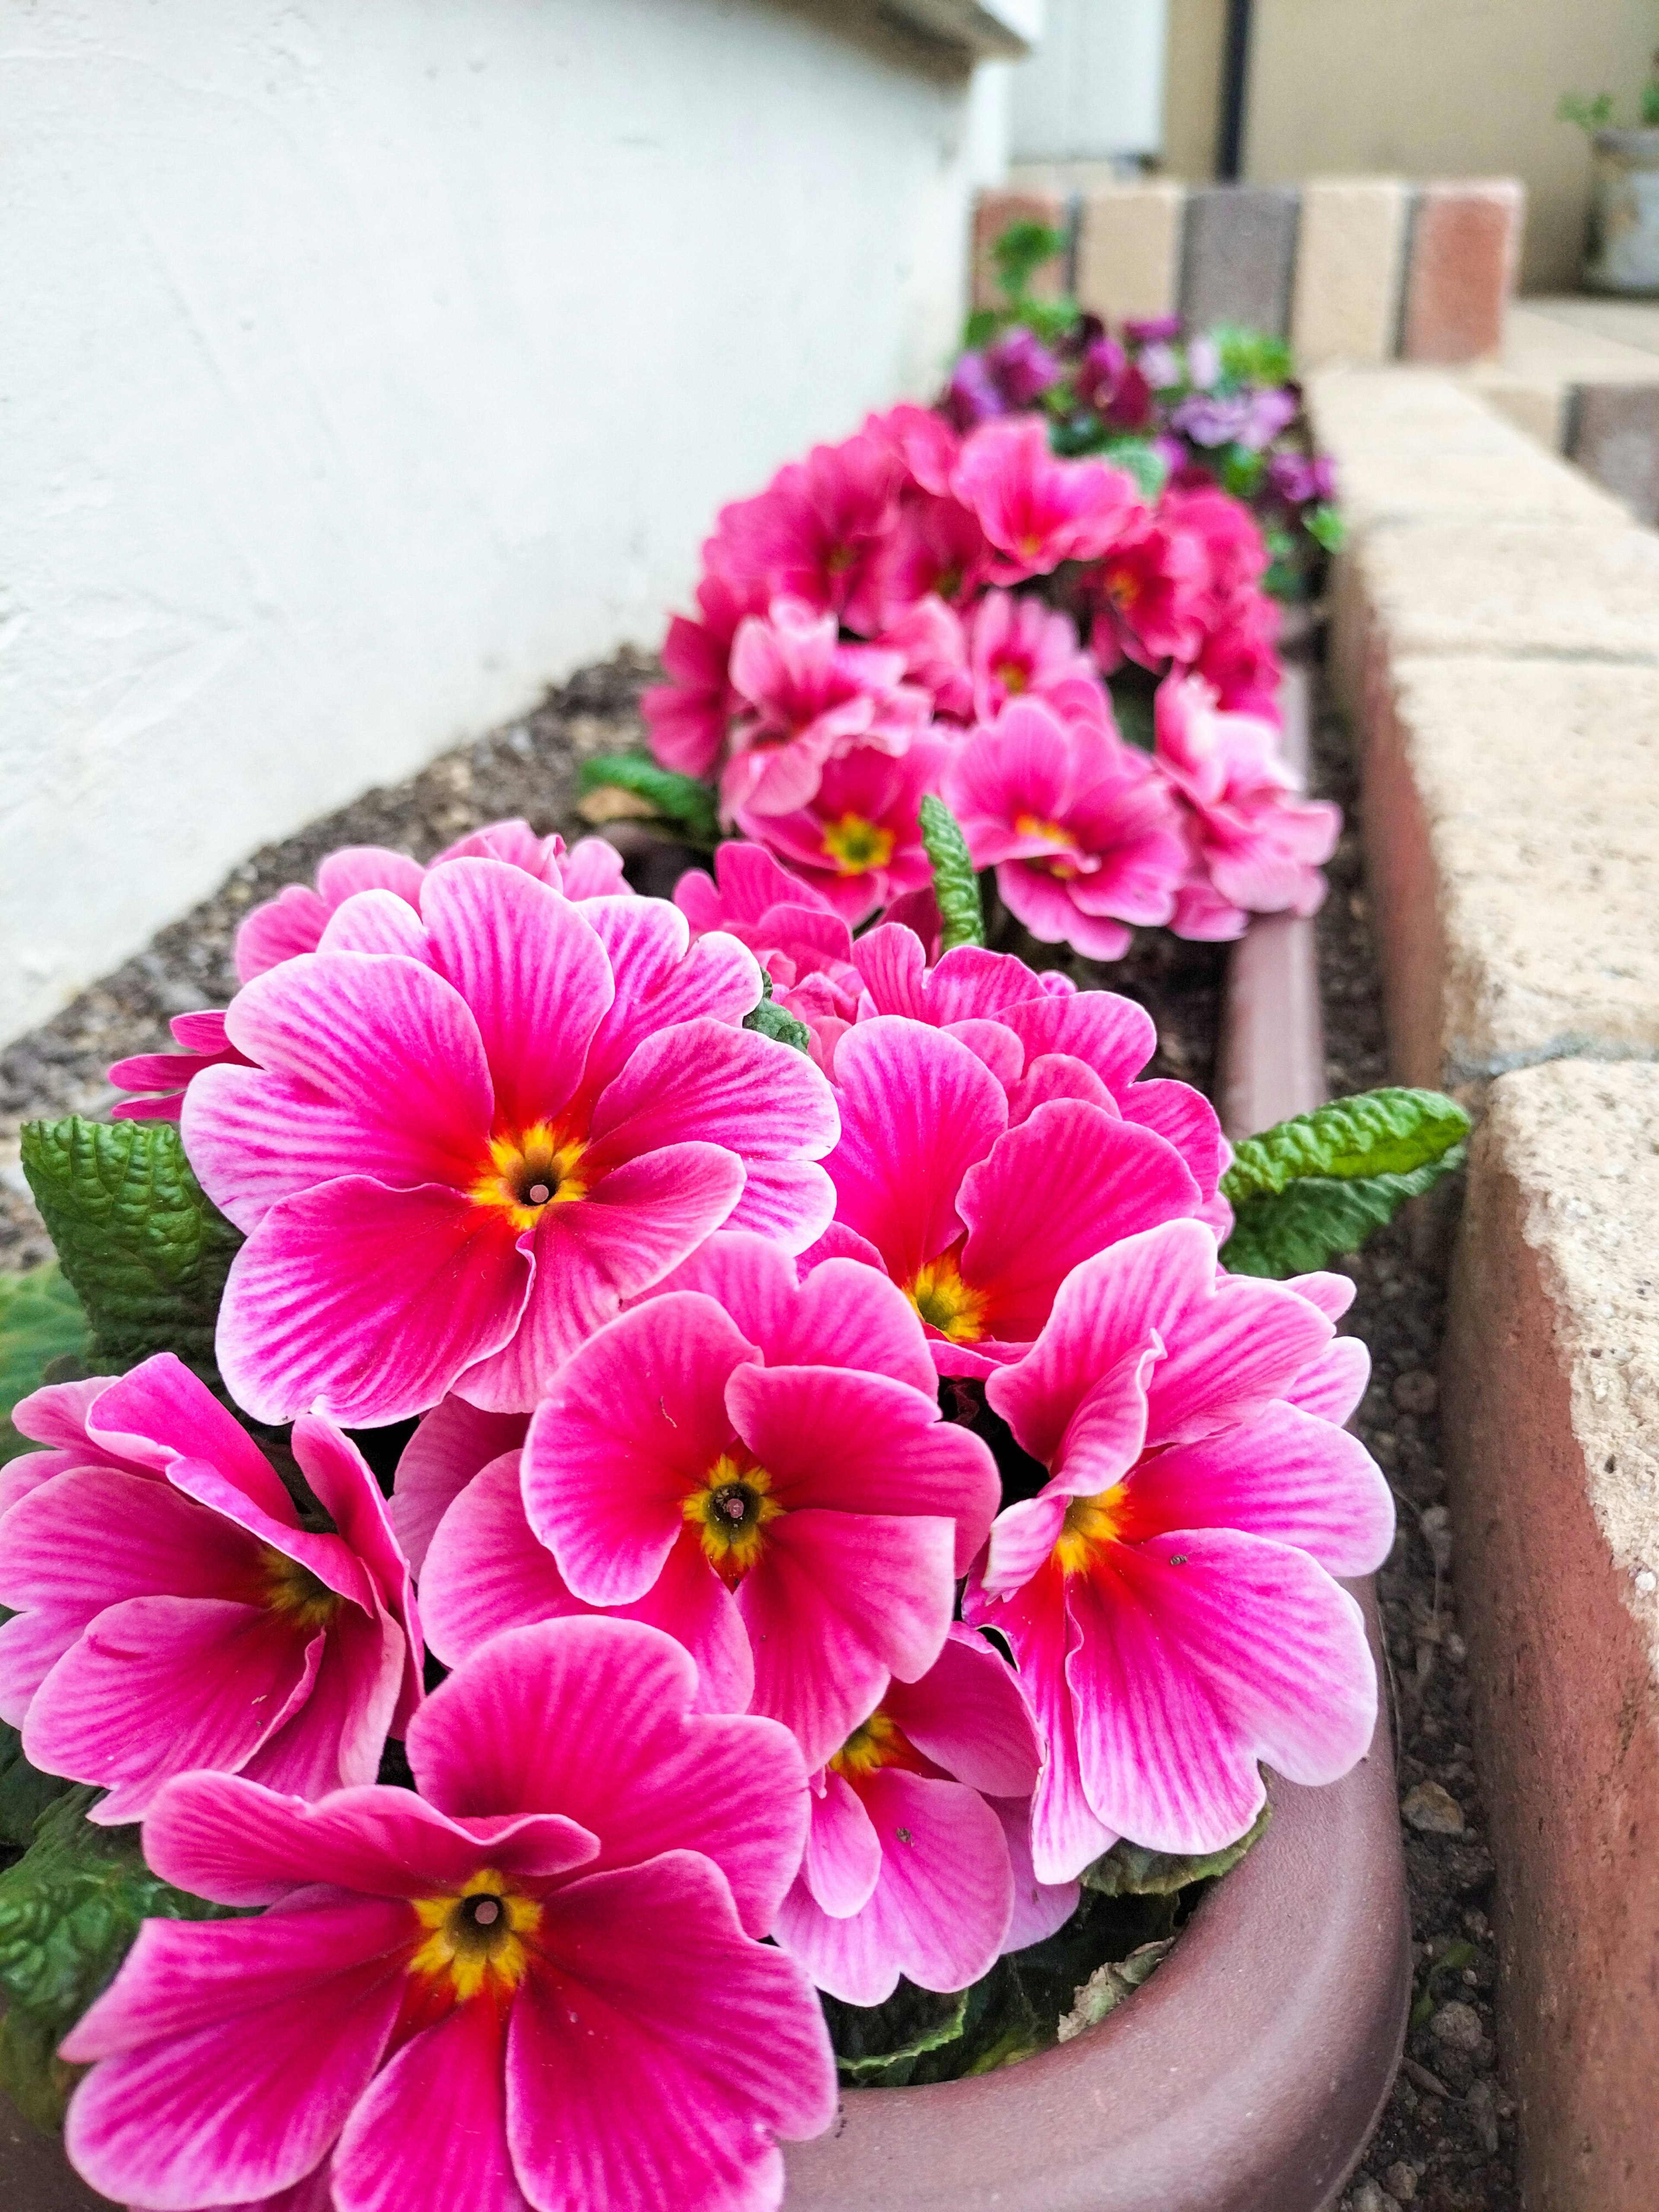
(736, 1635)
(917, 609)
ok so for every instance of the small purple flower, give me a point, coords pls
(1270, 412)
(1203, 362)
(1151, 330)
(1022, 365)
(1098, 371)
(1210, 421)
(973, 397)
(1160, 365)
(1300, 481)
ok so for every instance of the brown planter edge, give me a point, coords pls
(1248, 2075)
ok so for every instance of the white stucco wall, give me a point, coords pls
(366, 365)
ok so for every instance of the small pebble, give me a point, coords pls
(1458, 2026)
(1416, 1391)
(1646, 1581)
(1368, 2198)
(1436, 1523)
(1401, 2180)
(1482, 2103)
(1433, 1811)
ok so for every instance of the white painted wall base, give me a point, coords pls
(369, 364)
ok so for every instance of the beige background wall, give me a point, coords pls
(1419, 88)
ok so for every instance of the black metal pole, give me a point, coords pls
(1235, 85)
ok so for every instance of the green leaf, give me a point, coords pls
(879, 2045)
(775, 1021)
(1252, 356)
(1388, 1131)
(40, 1319)
(1317, 1217)
(1107, 1987)
(1325, 526)
(1022, 250)
(69, 1910)
(1143, 461)
(681, 799)
(139, 1240)
(1134, 707)
(956, 887)
(1127, 1870)
(25, 1792)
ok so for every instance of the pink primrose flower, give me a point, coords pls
(1169, 1596)
(1078, 825)
(792, 929)
(471, 1132)
(929, 633)
(817, 532)
(293, 921)
(975, 1186)
(858, 840)
(773, 1452)
(908, 1869)
(923, 441)
(204, 1627)
(806, 700)
(937, 548)
(1240, 658)
(1036, 511)
(164, 1076)
(1257, 846)
(1016, 647)
(1154, 599)
(687, 719)
(1234, 550)
(461, 2001)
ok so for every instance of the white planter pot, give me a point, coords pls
(1622, 253)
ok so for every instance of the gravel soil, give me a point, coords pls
(1445, 2142)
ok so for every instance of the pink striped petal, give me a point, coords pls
(160, 1413)
(533, 975)
(1041, 1908)
(344, 1487)
(1332, 1294)
(701, 1082)
(968, 1715)
(223, 1836)
(1288, 1476)
(918, 1109)
(728, 2049)
(631, 1427)
(152, 1538)
(1185, 1119)
(863, 1444)
(429, 2134)
(57, 1415)
(1053, 1075)
(333, 1739)
(594, 1718)
(842, 1862)
(894, 965)
(1333, 1385)
(311, 1312)
(1022, 1539)
(233, 2051)
(453, 1441)
(377, 921)
(662, 978)
(969, 982)
(591, 1256)
(354, 868)
(998, 1047)
(841, 1315)
(289, 924)
(1112, 1034)
(791, 1201)
(1199, 1655)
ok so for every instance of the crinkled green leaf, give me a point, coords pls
(775, 1021)
(25, 1792)
(1127, 1870)
(139, 1240)
(1107, 1987)
(1307, 1224)
(956, 886)
(1388, 1131)
(681, 799)
(69, 1909)
(40, 1319)
(879, 2045)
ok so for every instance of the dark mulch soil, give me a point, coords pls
(1446, 2141)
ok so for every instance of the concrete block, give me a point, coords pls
(1517, 589)
(1128, 249)
(1465, 253)
(996, 212)
(1350, 259)
(1550, 1414)
(1512, 826)
(1536, 405)
(1239, 256)
(1614, 438)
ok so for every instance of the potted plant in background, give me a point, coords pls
(1621, 251)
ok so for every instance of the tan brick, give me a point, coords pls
(1551, 1417)
(1512, 826)
(1349, 259)
(1520, 588)
(1537, 404)
(1128, 250)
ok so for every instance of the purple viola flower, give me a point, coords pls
(973, 396)
(1151, 330)
(1022, 365)
(1203, 362)
(1160, 365)
(1210, 420)
(1300, 480)
(1270, 412)
(1098, 371)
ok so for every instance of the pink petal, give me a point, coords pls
(1288, 1476)
(591, 1255)
(453, 1443)
(837, 1603)
(311, 1312)
(1022, 1539)
(1186, 1676)
(377, 921)
(842, 1863)
(593, 1719)
(662, 978)
(57, 1414)
(1112, 1034)
(1186, 1120)
(631, 1427)
(232, 2051)
(792, 1201)
(334, 1739)
(1041, 1908)
(1053, 1075)
(701, 1082)
(223, 1836)
(160, 1685)
(918, 1109)
(863, 1444)
(356, 868)
(969, 1716)
(894, 965)
(728, 2049)
(1332, 1385)
(998, 1047)
(429, 2134)
(291, 923)
(160, 1411)
(1332, 1294)
(344, 1485)
(533, 973)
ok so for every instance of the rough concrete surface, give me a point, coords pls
(1513, 828)
(1530, 590)
(1551, 1422)
(1128, 249)
(1239, 256)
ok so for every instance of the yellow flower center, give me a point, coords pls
(475, 1938)
(730, 1514)
(293, 1591)
(1012, 676)
(945, 1301)
(1033, 825)
(1090, 1525)
(1123, 587)
(857, 845)
(539, 1169)
(879, 1742)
